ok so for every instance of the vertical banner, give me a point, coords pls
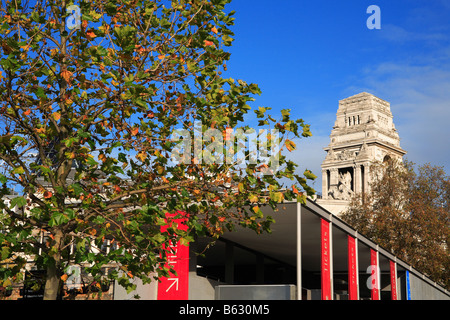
(393, 269)
(375, 285)
(176, 286)
(325, 260)
(408, 286)
(352, 269)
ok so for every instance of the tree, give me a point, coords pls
(407, 212)
(90, 98)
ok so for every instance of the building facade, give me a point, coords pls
(363, 133)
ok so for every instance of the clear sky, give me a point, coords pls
(307, 55)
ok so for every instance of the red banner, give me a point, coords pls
(176, 286)
(325, 260)
(352, 270)
(393, 269)
(375, 286)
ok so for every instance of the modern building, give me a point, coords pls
(311, 253)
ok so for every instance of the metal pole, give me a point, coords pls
(299, 252)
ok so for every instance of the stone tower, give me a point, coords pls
(364, 132)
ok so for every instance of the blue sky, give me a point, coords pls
(307, 55)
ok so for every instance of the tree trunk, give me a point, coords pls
(53, 279)
(51, 283)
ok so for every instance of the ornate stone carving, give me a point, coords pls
(343, 190)
(345, 155)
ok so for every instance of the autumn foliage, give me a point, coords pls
(86, 120)
(408, 212)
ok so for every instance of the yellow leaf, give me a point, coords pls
(102, 157)
(214, 29)
(277, 196)
(40, 130)
(90, 34)
(54, 52)
(290, 145)
(66, 74)
(70, 155)
(253, 198)
(56, 116)
(64, 277)
(160, 169)
(141, 156)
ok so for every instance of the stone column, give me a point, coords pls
(324, 184)
(366, 177)
(357, 177)
(334, 176)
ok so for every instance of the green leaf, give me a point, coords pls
(35, 16)
(5, 253)
(70, 213)
(227, 40)
(277, 196)
(18, 170)
(309, 175)
(184, 193)
(57, 218)
(301, 198)
(90, 161)
(40, 93)
(19, 202)
(77, 189)
(285, 113)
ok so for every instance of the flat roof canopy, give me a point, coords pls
(281, 244)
